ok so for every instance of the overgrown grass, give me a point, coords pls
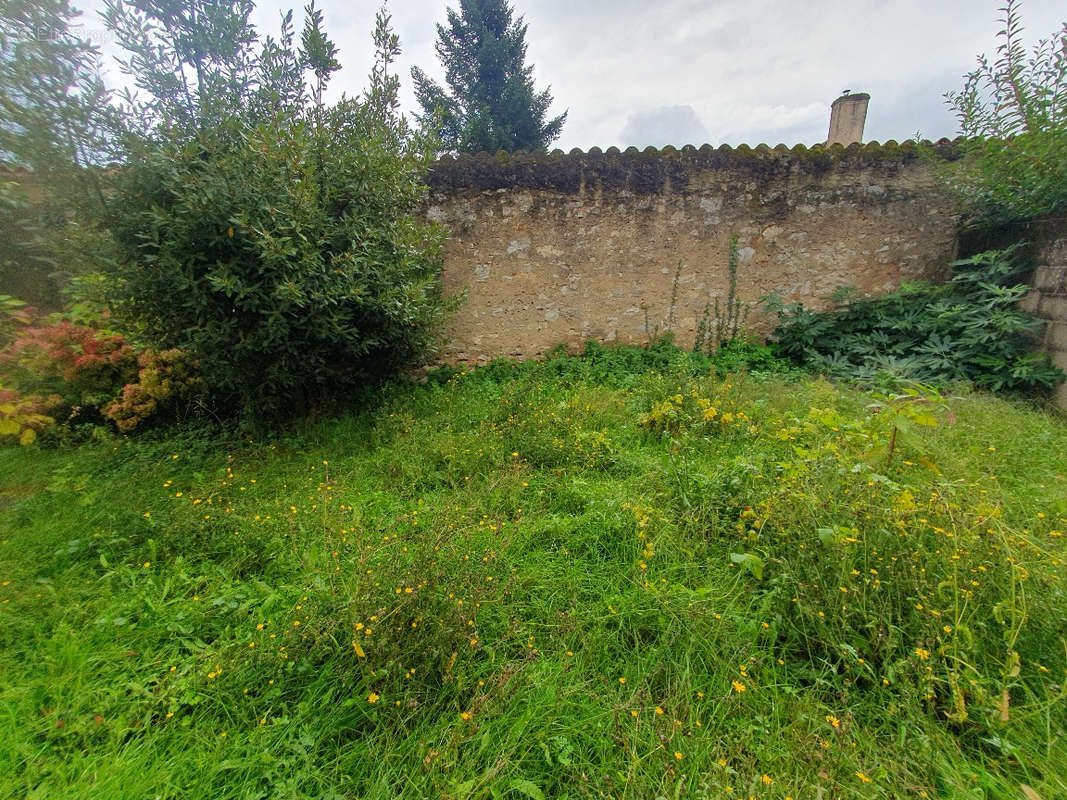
(584, 578)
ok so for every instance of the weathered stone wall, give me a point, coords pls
(557, 249)
(1048, 299)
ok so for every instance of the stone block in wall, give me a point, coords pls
(1054, 252)
(1056, 336)
(1052, 280)
(1053, 307)
(1031, 302)
(1059, 358)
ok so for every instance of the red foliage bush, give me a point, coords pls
(83, 366)
(76, 373)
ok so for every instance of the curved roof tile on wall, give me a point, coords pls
(654, 170)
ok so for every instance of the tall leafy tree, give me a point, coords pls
(53, 123)
(490, 102)
(193, 63)
(1012, 111)
(317, 52)
(53, 104)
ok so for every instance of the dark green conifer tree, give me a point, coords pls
(490, 102)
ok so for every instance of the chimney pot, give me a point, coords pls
(848, 114)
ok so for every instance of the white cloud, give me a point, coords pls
(751, 71)
(676, 125)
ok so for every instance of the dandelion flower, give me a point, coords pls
(372, 698)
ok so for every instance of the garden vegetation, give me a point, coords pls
(967, 330)
(637, 572)
(607, 576)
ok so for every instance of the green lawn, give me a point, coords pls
(573, 579)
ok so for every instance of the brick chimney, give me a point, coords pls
(847, 117)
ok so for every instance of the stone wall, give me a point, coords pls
(557, 249)
(1048, 299)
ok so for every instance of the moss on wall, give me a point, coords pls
(652, 171)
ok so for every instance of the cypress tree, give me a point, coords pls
(490, 102)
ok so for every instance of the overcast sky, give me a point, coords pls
(702, 71)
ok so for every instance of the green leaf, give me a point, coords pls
(465, 788)
(752, 563)
(526, 787)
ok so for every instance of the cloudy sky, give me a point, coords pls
(706, 71)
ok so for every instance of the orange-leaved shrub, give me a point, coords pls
(166, 382)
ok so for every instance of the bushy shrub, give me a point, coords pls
(746, 353)
(290, 269)
(626, 365)
(273, 238)
(969, 329)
